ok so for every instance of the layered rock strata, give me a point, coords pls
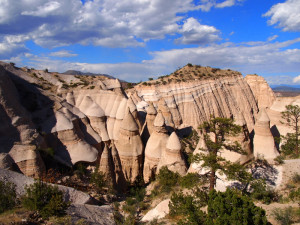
(261, 90)
(194, 102)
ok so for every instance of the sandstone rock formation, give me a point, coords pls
(91, 119)
(263, 141)
(160, 211)
(190, 103)
(155, 146)
(130, 147)
(171, 156)
(261, 90)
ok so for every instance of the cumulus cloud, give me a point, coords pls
(110, 23)
(286, 15)
(62, 53)
(195, 33)
(297, 79)
(260, 58)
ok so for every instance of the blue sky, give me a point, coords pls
(137, 39)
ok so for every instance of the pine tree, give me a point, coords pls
(220, 128)
(291, 115)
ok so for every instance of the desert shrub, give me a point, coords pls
(279, 160)
(295, 195)
(190, 180)
(296, 178)
(189, 64)
(46, 199)
(283, 216)
(230, 207)
(167, 179)
(7, 196)
(98, 180)
(262, 192)
(289, 145)
(188, 207)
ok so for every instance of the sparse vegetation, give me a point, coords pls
(291, 117)
(45, 199)
(8, 196)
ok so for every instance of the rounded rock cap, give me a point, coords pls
(159, 120)
(151, 109)
(128, 123)
(173, 142)
(263, 116)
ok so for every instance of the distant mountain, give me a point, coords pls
(76, 72)
(286, 88)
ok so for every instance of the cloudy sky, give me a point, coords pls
(137, 39)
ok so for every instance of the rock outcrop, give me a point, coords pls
(263, 141)
(171, 156)
(261, 90)
(91, 119)
(192, 102)
(155, 146)
(130, 147)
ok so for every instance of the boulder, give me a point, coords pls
(160, 211)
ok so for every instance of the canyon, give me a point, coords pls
(128, 133)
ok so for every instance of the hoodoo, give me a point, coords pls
(155, 146)
(171, 156)
(263, 142)
(130, 147)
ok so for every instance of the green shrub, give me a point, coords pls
(295, 195)
(7, 196)
(188, 207)
(279, 160)
(167, 179)
(283, 216)
(296, 178)
(230, 207)
(98, 180)
(260, 191)
(46, 199)
(190, 180)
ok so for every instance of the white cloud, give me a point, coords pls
(260, 58)
(111, 23)
(286, 15)
(226, 3)
(272, 38)
(62, 53)
(297, 79)
(45, 10)
(195, 33)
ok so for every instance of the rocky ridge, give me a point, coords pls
(91, 119)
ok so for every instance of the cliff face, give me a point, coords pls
(92, 119)
(264, 95)
(194, 101)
